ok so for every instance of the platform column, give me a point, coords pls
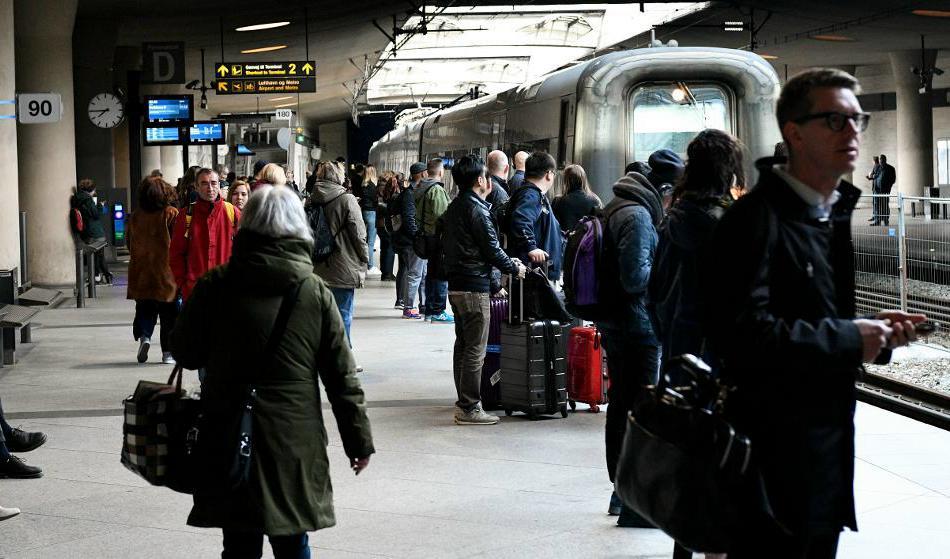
(914, 157)
(9, 192)
(172, 165)
(47, 152)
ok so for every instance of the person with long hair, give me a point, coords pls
(151, 282)
(578, 199)
(368, 195)
(387, 189)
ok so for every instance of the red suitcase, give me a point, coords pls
(586, 368)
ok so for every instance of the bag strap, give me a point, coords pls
(283, 317)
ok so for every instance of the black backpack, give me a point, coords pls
(324, 239)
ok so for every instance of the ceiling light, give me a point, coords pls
(285, 105)
(260, 26)
(932, 13)
(833, 38)
(678, 95)
(275, 99)
(263, 49)
(769, 56)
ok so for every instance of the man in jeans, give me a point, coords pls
(415, 266)
(431, 202)
(470, 251)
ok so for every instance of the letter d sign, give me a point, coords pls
(163, 62)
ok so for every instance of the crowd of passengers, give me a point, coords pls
(759, 282)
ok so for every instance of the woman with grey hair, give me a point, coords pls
(268, 289)
(344, 271)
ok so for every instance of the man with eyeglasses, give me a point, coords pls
(781, 318)
(535, 234)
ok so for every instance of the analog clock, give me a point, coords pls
(106, 111)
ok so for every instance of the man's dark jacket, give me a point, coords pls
(470, 245)
(887, 178)
(780, 304)
(404, 206)
(533, 225)
(499, 192)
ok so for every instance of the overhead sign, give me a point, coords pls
(254, 78)
(163, 62)
(284, 114)
(39, 108)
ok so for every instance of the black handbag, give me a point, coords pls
(225, 438)
(682, 466)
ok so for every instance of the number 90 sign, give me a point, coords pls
(37, 108)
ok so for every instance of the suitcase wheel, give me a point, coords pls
(573, 404)
(507, 412)
(564, 410)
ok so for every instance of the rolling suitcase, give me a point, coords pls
(533, 364)
(491, 369)
(586, 368)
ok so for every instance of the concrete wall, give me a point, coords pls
(9, 178)
(333, 140)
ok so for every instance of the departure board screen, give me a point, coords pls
(162, 135)
(169, 108)
(206, 132)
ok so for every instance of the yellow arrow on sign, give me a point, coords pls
(307, 68)
(223, 86)
(223, 70)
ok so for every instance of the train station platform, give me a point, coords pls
(517, 489)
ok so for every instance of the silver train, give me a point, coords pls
(605, 113)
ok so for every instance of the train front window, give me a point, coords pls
(669, 116)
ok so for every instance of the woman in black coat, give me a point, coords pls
(577, 201)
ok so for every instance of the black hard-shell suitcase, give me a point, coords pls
(533, 365)
(491, 369)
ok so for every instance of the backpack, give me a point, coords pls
(75, 221)
(591, 277)
(324, 239)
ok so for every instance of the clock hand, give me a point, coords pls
(101, 111)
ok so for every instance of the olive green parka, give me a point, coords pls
(224, 327)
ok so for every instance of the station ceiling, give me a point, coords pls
(343, 39)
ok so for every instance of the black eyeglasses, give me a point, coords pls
(836, 121)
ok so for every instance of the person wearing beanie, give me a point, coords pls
(631, 219)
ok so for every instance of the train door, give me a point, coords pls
(669, 115)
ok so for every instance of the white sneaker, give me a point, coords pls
(374, 272)
(6, 513)
(476, 416)
(144, 344)
(167, 358)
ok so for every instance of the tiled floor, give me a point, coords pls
(517, 489)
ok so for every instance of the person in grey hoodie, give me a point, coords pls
(344, 271)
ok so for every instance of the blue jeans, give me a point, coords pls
(369, 218)
(345, 299)
(415, 272)
(437, 291)
(244, 545)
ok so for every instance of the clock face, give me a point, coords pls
(105, 110)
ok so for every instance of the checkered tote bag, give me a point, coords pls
(159, 431)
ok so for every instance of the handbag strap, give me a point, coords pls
(283, 317)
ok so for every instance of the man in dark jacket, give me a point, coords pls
(403, 205)
(535, 234)
(517, 179)
(630, 236)
(93, 229)
(882, 183)
(780, 315)
(498, 168)
(470, 250)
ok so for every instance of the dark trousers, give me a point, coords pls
(387, 255)
(402, 275)
(5, 429)
(243, 545)
(437, 292)
(882, 210)
(472, 316)
(764, 539)
(631, 366)
(147, 313)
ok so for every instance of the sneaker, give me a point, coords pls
(359, 369)
(6, 513)
(23, 441)
(144, 344)
(411, 313)
(15, 468)
(374, 272)
(167, 358)
(444, 318)
(616, 505)
(399, 305)
(476, 416)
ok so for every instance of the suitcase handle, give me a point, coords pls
(511, 294)
(596, 339)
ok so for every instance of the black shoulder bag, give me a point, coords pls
(226, 437)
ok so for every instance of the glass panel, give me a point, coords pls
(670, 115)
(943, 161)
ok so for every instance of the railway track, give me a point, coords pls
(909, 400)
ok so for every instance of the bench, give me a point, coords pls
(11, 318)
(39, 297)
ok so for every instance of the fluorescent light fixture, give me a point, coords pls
(285, 105)
(931, 13)
(275, 99)
(260, 26)
(769, 56)
(264, 49)
(678, 94)
(833, 38)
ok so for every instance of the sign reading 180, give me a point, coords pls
(265, 77)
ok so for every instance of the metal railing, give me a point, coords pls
(902, 255)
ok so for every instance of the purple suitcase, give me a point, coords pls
(490, 389)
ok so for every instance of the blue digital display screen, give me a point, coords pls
(206, 132)
(162, 135)
(244, 150)
(169, 108)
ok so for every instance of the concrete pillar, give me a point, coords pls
(914, 157)
(47, 152)
(9, 192)
(93, 51)
(172, 165)
(151, 160)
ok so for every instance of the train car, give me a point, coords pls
(605, 113)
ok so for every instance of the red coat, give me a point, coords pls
(208, 243)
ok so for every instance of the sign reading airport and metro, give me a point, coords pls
(254, 78)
